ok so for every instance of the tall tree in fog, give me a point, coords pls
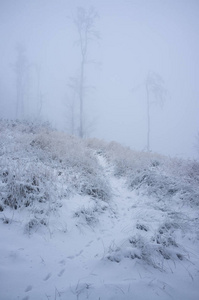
(21, 70)
(85, 25)
(73, 86)
(155, 94)
(39, 103)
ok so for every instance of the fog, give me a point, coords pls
(136, 37)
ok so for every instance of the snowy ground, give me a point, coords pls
(80, 256)
(80, 234)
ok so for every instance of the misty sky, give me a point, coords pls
(137, 36)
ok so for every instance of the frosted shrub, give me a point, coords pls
(70, 152)
(186, 170)
(88, 215)
(59, 148)
(38, 164)
(153, 174)
(154, 183)
(152, 250)
(99, 145)
(93, 184)
(24, 183)
(167, 182)
(125, 160)
(35, 224)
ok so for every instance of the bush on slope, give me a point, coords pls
(41, 165)
(153, 174)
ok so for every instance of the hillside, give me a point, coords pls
(86, 219)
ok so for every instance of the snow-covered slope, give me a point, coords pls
(90, 220)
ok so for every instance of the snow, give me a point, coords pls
(130, 246)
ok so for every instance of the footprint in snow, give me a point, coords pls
(47, 276)
(71, 256)
(88, 245)
(61, 272)
(78, 254)
(28, 289)
(62, 262)
(26, 298)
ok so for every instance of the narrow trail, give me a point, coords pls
(121, 204)
(131, 210)
(113, 225)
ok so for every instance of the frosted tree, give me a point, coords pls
(73, 85)
(156, 93)
(39, 93)
(21, 69)
(85, 24)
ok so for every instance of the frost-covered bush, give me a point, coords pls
(34, 224)
(61, 149)
(153, 174)
(162, 183)
(70, 152)
(150, 248)
(124, 159)
(89, 214)
(93, 184)
(23, 183)
(98, 145)
(154, 183)
(24, 126)
(41, 165)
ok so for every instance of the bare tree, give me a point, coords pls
(21, 70)
(71, 107)
(39, 102)
(156, 93)
(85, 25)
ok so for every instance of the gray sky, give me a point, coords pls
(137, 36)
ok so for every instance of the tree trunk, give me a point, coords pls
(81, 96)
(148, 119)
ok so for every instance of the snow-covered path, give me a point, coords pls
(86, 253)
